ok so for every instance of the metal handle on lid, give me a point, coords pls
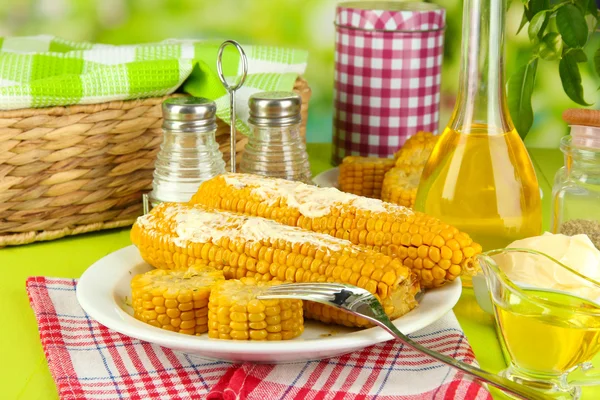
(231, 90)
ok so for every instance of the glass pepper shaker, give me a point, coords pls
(275, 147)
(576, 189)
(189, 153)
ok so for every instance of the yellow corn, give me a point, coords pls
(400, 186)
(174, 300)
(416, 150)
(176, 235)
(363, 176)
(401, 182)
(236, 313)
(436, 252)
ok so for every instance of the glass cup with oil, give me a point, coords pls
(550, 332)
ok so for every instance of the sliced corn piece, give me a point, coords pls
(235, 313)
(174, 300)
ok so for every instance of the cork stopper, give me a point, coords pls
(585, 127)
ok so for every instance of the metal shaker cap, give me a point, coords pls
(272, 109)
(189, 114)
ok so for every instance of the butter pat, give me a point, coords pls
(577, 252)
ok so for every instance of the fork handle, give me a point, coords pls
(492, 379)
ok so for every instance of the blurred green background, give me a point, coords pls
(306, 24)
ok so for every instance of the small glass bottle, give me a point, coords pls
(479, 177)
(275, 147)
(189, 153)
(576, 190)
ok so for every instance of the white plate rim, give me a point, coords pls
(95, 293)
(328, 178)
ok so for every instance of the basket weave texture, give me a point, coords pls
(76, 169)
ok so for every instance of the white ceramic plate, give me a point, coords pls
(104, 286)
(328, 178)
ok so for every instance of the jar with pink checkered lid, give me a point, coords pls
(388, 58)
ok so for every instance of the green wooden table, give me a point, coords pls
(24, 373)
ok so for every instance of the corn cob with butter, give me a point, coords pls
(182, 235)
(401, 182)
(400, 186)
(236, 313)
(416, 150)
(175, 300)
(436, 252)
(363, 176)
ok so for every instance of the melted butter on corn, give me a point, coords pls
(309, 200)
(200, 225)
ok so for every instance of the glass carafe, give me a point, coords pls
(479, 176)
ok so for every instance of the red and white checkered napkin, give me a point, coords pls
(89, 361)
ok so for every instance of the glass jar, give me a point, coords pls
(275, 147)
(576, 190)
(189, 153)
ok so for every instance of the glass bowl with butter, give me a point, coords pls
(547, 313)
(577, 252)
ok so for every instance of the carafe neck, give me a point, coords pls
(481, 97)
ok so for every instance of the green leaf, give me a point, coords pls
(536, 24)
(551, 46)
(597, 61)
(524, 20)
(583, 5)
(535, 6)
(572, 25)
(592, 8)
(571, 79)
(578, 54)
(520, 89)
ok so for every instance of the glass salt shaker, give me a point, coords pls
(576, 190)
(189, 154)
(275, 147)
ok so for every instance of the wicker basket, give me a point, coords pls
(77, 169)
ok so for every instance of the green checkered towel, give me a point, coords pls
(43, 71)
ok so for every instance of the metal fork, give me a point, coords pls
(362, 303)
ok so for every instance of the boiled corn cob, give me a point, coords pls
(181, 235)
(416, 150)
(363, 176)
(236, 313)
(436, 252)
(174, 300)
(400, 186)
(401, 182)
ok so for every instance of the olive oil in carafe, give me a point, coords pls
(482, 182)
